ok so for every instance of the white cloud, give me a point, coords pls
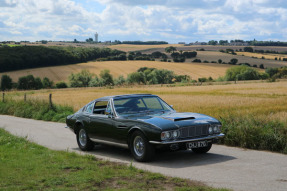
(168, 20)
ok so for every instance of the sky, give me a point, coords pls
(145, 20)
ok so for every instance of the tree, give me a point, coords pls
(81, 79)
(212, 42)
(233, 61)
(241, 72)
(156, 54)
(219, 61)
(29, 83)
(61, 85)
(170, 49)
(120, 80)
(107, 78)
(6, 82)
(47, 83)
(248, 49)
(136, 77)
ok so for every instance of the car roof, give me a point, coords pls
(123, 96)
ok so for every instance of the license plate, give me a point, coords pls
(196, 144)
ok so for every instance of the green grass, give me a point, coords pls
(39, 110)
(254, 133)
(28, 166)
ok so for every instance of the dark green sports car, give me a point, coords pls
(143, 123)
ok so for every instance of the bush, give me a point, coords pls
(47, 83)
(241, 73)
(81, 79)
(6, 82)
(120, 80)
(61, 85)
(29, 83)
(107, 78)
(261, 66)
(196, 60)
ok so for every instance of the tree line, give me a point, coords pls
(24, 57)
(142, 76)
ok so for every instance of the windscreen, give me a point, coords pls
(135, 105)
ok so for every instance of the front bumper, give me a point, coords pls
(211, 137)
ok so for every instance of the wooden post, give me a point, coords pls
(25, 97)
(50, 101)
(3, 96)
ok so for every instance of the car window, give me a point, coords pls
(89, 108)
(100, 107)
(140, 105)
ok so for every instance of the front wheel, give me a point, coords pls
(202, 149)
(83, 140)
(141, 149)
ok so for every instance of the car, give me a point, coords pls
(143, 123)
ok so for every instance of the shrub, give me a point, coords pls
(120, 80)
(261, 66)
(29, 83)
(241, 73)
(81, 79)
(196, 60)
(6, 82)
(61, 85)
(107, 78)
(47, 83)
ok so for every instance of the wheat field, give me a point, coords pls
(61, 73)
(260, 55)
(134, 47)
(266, 101)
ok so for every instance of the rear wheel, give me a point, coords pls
(141, 149)
(202, 149)
(83, 140)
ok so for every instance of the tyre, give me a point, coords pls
(140, 148)
(83, 140)
(202, 149)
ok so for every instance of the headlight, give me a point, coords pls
(216, 128)
(169, 135)
(210, 130)
(175, 134)
(165, 135)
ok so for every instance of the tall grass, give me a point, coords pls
(254, 133)
(34, 109)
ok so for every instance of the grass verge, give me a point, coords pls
(28, 166)
(35, 109)
(254, 133)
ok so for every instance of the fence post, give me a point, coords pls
(50, 101)
(3, 96)
(25, 97)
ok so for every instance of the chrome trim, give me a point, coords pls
(110, 143)
(187, 140)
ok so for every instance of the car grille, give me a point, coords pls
(194, 131)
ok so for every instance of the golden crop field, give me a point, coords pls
(265, 101)
(61, 73)
(260, 55)
(134, 47)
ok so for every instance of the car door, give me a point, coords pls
(101, 123)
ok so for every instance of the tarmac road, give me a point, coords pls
(222, 166)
